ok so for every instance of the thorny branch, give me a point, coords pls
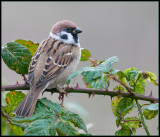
(89, 91)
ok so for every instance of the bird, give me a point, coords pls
(55, 59)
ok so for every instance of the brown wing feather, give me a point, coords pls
(54, 67)
(58, 59)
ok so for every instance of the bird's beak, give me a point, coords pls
(77, 30)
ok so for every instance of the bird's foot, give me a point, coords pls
(61, 95)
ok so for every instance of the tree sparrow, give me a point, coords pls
(55, 59)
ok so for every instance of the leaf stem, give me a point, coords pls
(143, 122)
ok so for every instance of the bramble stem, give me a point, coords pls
(143, 122)
(87, 91)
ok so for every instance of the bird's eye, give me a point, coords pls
(64, 36)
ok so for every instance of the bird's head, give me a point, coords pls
(66, 31)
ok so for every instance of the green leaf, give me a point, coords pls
(125, 130)
(118, 121)
(29, 45)
(50, 119)
(97, 83)
(16, 57)
(16, 130)
(114, 105)
(5, 129)
(151, 111)
(13, 98)
(85, 54)
(150, 77)
(65, 129)
(122, 89)
(74, 118)
(40, 127)
(108, 64)
(77, 73)
(56, 108)
(125, 105)
(122, 77)
(140, 86)
(153, 107)
(149, 114)
(93, 76)
(131, 73)
(132, 122)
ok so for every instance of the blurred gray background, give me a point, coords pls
(128, 30)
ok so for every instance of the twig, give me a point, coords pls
(87, 91)
(129, 90)
(93, 62)
(24, 78)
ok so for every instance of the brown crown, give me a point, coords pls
(62, 25)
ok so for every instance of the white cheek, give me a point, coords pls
(70, 39)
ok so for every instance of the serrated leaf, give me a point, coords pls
(85, 54)
(16, 57)
(149, 114)
(122, 77)
(132, 122)
(45, 120)
(5, 129)
(29, 45)
(97, 83)
(114, 105)
(131, 73)
(150, 77)
(65, 129)
(125, 130)
(153, 107)
(125, 105)
(75, 119)
(41, 112)
(108, 64)
(53, 106)
(40, 127)
(76, 73)
(118, 121)
(140, 86)
(93, 76)
(16, 130)
(13, 98)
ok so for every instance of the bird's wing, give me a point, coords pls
(59, 56)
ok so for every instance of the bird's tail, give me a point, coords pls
(27, 106)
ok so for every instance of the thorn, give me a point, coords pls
(155, 101)
(71, 88)
(17, 82)
(119, 91)
(111, 98)
(77, 86)
(52, 93)
(89, 95)
(42, 93)
(24, 78)
(150, 94)
(93, 94)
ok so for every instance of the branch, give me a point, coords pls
(89, 91)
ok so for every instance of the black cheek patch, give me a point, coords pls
(64, 36)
